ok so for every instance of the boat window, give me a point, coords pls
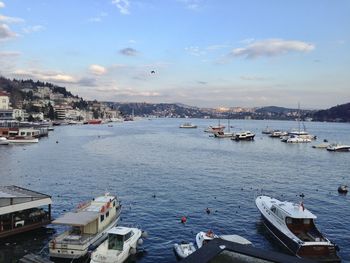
(102, 217)
(113, 203)
(289, 220)
(107, 214)
(23, 133)
(29, 133)
(273, 209)
(128, 235)
(306, 221)
(115, 242)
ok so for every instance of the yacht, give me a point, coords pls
(335, 147)
(246, 136)
(293, 225)
(88, 227)
(267, 130)
(188, 125)
(119, 245)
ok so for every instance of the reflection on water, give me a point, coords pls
(188, 171)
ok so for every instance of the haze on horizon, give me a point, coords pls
(204, 53)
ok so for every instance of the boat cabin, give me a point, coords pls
(89, 219)
(299, 221)
(22, 210)
(117, 236)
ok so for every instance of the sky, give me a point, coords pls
(206, 53)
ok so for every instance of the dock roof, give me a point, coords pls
(14, 198)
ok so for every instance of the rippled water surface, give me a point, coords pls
(188, 171)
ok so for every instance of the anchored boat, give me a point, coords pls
(89, 225)
(293, 225)
(120, 244)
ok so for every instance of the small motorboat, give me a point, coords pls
(294, 226)
(203, 238)
(321, 146)
(221, 134)
(184, 249)
(343, 189)
(278, 134)
(119, 245)
(3, 141)
(335, 147)
(244, 136)
(215, 129)
(188, 125)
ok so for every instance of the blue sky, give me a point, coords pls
(206, 53)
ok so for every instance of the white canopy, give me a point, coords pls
(81, 218)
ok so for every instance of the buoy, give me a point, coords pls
(140, 242)
(207, 210)
(56, 141)
(144, 234)
(343, 189)
(183, 220)
(154, 195)
(133, 251)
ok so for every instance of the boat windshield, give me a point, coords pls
(115, 242)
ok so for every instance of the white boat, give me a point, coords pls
(267, 130)
(203, 238)
(335, 147)
(297, 139)
(22, 139)
(245, 136)
(222, 134)
(278, 134)
(88, 227)
(3, 141)
(293, 225)
(321, 145)
(184, 249)
(236, 239)
(120, 244)
(188, 125)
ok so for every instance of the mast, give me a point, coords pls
(299, 117)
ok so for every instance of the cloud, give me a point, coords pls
(131, 52)
(98, 18)
(192, 4)
(97, 69)
(270, 48)
(32, 29)
(6, 33)
(10, 20)
(52, 76)
(123, 6)
(253, 78)
(195, 51)
(9, 54)
(2, 5)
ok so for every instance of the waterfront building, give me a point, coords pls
(22, 210)
(4, 101)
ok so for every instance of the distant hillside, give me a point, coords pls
(339, 113)
(274, 109)
(17, 94)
